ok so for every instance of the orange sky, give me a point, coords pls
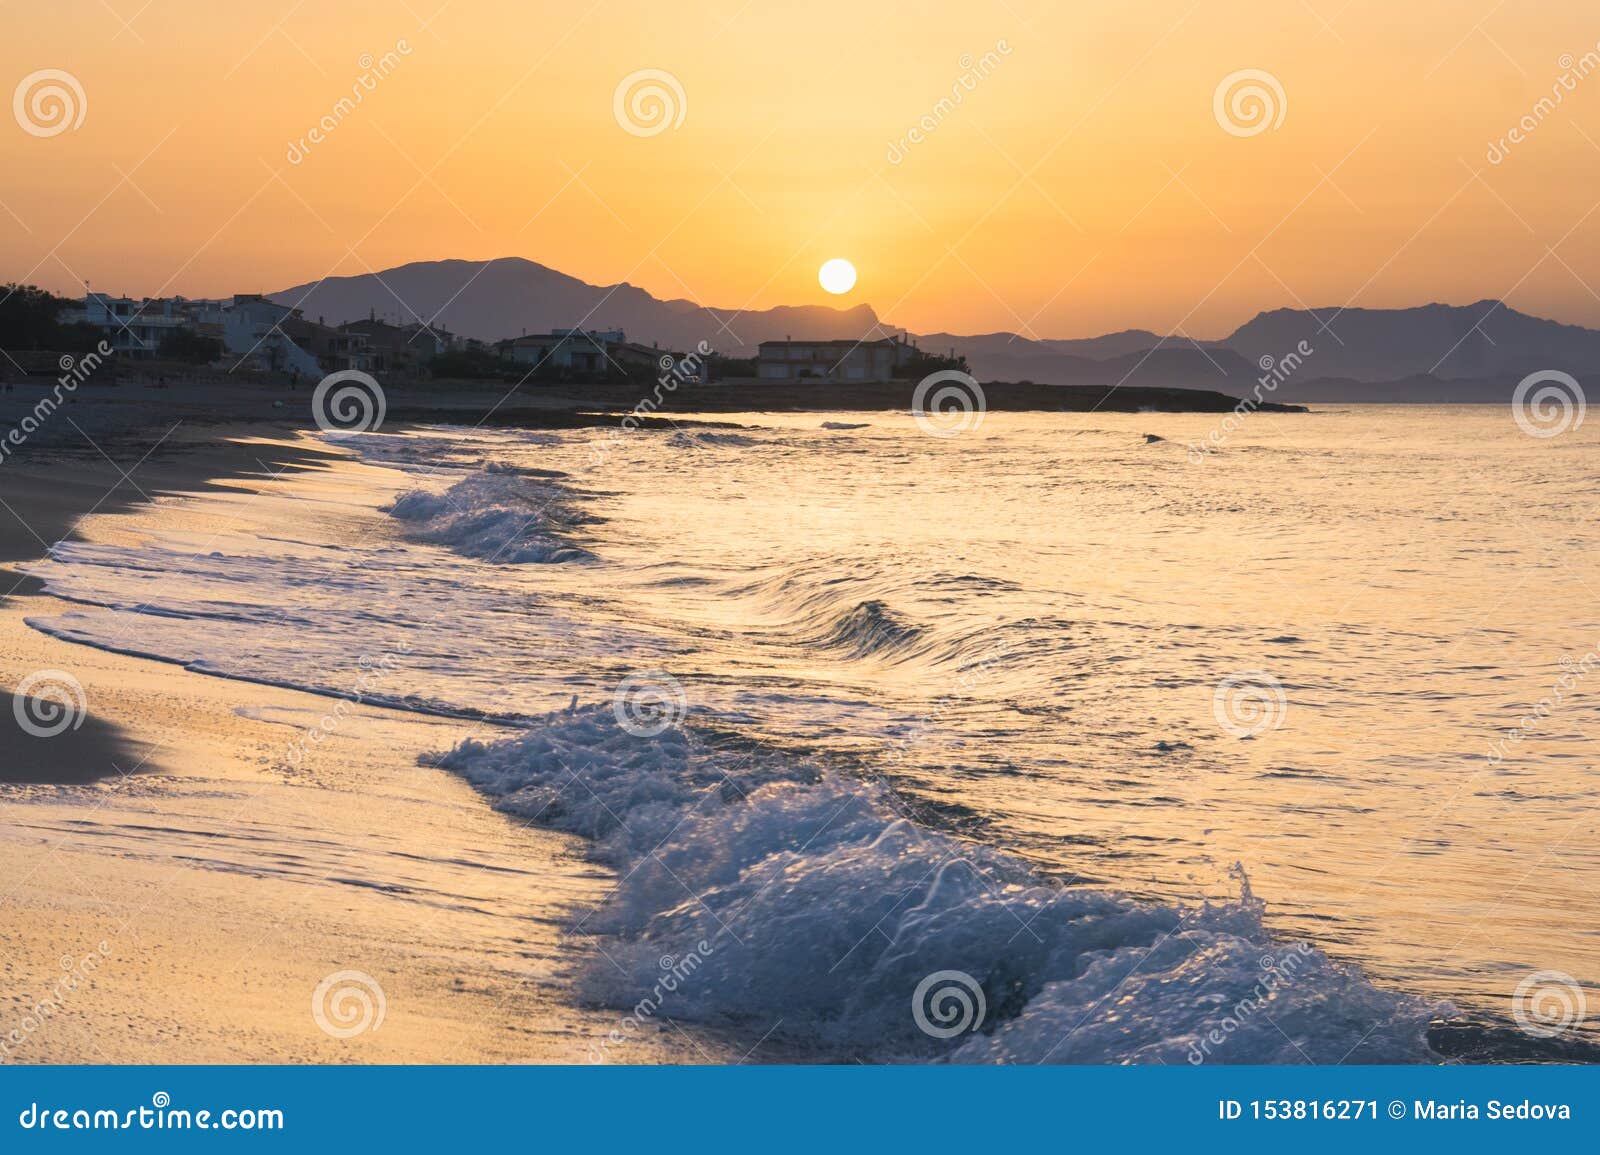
(1084, 184)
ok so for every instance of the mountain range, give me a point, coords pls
(1434, 352)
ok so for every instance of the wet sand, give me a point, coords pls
(177, 887)
(45, 494)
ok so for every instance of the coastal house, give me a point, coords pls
(252, 334)
(626, 353)
(333, 348)
(572, 350)
(261, 335)
(833, 360)
(398, 349)
(134, 329)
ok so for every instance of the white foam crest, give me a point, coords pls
(819, 904)
(500, 514)
(709, 439)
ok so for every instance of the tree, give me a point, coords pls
(724, 367)
(185, 344)
(920, 364)
(28, 321)
(470, 365)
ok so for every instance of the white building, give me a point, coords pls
(250, 332)
(134, 328)
(248, 325)
(833, 360)
(576, 350)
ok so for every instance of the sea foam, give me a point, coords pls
(815, 909)
(499, 514)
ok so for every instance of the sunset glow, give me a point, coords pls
(1082, 184)
(895, 538)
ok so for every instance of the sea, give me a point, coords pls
(1054, 737)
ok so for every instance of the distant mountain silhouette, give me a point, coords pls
(1414, 354)
(1000, 345)
(509, 296)
(1481, 340)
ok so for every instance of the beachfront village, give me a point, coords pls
(251, 336)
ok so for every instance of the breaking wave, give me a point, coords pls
(501, 514)
(815, 909)
(707, 439)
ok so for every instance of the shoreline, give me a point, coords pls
(100, 410)
(468, 988)
(217, 883)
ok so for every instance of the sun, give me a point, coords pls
(837, 276)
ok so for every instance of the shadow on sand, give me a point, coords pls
(89, 752)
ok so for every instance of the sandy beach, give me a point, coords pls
(180, 886)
